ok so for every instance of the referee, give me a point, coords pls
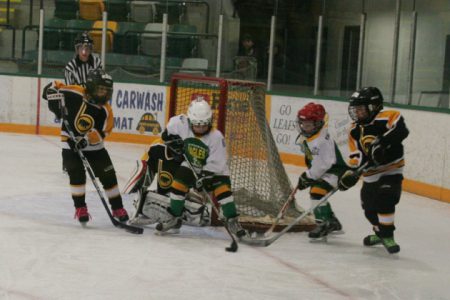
(77, 69)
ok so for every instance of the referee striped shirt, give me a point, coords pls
(76, 71)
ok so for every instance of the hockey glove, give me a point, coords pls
(54, 98)
(166, 137)
(79, 143)
(204, 181)
(50, 93)
(379, 151)
(348, 179)
(92, 137)
(304, 181)
(176, 148)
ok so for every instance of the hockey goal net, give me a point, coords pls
(260, 184)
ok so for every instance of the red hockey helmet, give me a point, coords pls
(311, 119)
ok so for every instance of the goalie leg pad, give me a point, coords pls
(196, 214)
(155, 210)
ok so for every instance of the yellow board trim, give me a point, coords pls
(50, 130)
(293, 159)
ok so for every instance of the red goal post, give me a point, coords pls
(260, 184)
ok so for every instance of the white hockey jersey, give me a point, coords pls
(217, 158)
(322, 157)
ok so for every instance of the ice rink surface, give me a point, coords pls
(45, 253)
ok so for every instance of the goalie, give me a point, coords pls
(160, 162)
(205, 149)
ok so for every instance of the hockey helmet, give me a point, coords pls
(368, 98)
(83, 39)
(199, 113)
(99, 86)
(310, 119)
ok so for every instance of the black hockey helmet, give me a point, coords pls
(371, 98)
(97, 82)
(83, 39)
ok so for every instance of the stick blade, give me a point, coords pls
(128, 228)
(135, 230)
(263, 242)
(233, 247)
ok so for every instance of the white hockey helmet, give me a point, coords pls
(199, 112)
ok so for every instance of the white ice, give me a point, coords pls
(46, 254)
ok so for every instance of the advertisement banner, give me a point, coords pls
(139, 109)
(283, 122)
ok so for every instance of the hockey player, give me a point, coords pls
(324, 162)
(91, 119)
(376, 137)
(160, 162)
(205, 149)
(77, 69)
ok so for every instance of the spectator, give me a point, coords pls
(248, 47)
(247, 62)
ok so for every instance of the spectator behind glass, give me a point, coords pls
(247, 47)
(246, 68)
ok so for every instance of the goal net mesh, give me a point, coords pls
(260, 184)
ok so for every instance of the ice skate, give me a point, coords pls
(120, 214)
(320, 232)
(171, 226)
(334, 225)
(82, 215)
(235, 227)
(371, 240)
(390, 245)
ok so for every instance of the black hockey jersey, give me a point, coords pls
(388, 125)
(161, 163)
(84, 117)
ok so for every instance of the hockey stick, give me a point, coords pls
(264, 242)
(281, 213)
(131, 229)
(234, 246)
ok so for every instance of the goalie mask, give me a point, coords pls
(310, 119)
(99, 87)
(200, 116)
(365, 104)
